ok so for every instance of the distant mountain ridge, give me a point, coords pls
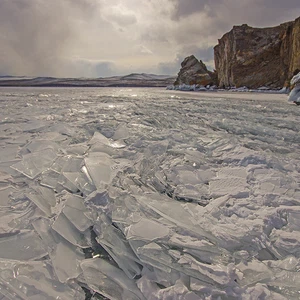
(131, 80)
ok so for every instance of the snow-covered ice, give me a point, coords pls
(294, 95)
(148, 194)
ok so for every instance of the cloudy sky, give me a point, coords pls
(93, 38)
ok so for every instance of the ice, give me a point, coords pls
(177, 292)
(204, 250)
(181, 214)
(75, 211)
(221, 186)
(67, 163)
(99, 167)
(99, 138)
(49, 179)
(286, 243)
(147, 230)
(109, 280)
(35, 163)
(38, 145)
(294, 220)
(80, 181)
(25, 245)
(113, 241)
(295, 93)
(77, 149)
(66, 229)
(34, 280)
(4, 196)
(44, 198)
(295, 79)
(121, 132)
(65, 257)
(158, 196)
(253, 272)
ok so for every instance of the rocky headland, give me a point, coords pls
(251, 57)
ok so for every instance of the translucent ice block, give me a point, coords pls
(75, 211)
(44, 199)
(34, 281)
(99, 166)
(35, 163)
(114, 242)
(66, 229)
(25, 245)
(180, 214)
(65, 257)
(109, 280)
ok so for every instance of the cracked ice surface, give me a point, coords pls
(148, 194)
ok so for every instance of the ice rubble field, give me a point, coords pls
(148, 194)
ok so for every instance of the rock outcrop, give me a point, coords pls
(195, 72)
(255, 57)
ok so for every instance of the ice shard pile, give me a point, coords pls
(147, 194)
(294, 95)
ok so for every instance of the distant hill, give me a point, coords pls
(131, 80)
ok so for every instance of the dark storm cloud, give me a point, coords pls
(254, 12)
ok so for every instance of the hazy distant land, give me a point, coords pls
(131, 80)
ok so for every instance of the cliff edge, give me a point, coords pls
(255, 57)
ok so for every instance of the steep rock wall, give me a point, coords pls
(255, 57)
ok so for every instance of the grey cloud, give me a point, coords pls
(35, 34)
(82, 67)
(124, 20)
(121, 19)
(188, 7)
(105, 69)
(253, 12)
(169, 68)
(106, 37)
(205, 54)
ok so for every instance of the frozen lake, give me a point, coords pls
(148, 194)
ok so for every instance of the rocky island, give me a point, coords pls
(251, 57)
(194, 71)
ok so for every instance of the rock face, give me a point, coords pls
(194, 71)
(255, 57)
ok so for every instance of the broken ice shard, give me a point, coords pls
(99, 166)
(25, 245)
(34, 280)
(109, 281)
(35, 163)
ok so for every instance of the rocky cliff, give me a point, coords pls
(195, 72)
(255, 57)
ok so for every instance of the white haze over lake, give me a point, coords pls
(148, 194)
